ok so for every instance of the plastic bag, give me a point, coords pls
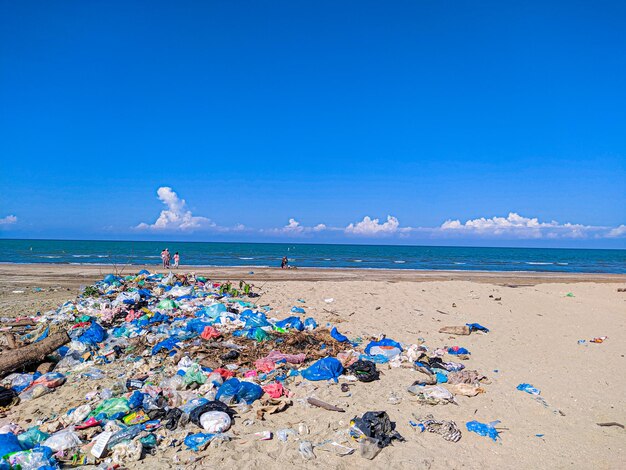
(62, 440)
(482, 429)
(297, 310)
(9, 444)
(376, 425)
(79, 414)
(365, 371)
(32, 437)
(194, 375)
(338, 336)
(198, 441)
(477, 327)
(36, 459)
(291, 323)
(310, 324)
(167, 304)
(212, 311)
(215, 421)
(93, 335)
(111, 406)
(385, 347)
(325, 369)
(210, 333)
(528, 389)
(232, 390)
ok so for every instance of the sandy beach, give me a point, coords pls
(535, 328)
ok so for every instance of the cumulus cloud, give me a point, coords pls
(176, 216)
(8, 220)
(369, 226)
(517, 226)
(296, 228)
(617, 232)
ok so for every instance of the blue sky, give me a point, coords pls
(256, 113)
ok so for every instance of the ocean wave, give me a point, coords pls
(81, 256)
(102, 256)
(457, 262)
(243, 257)
(356, 260)
(328, 259)
(49, 256)
(399, 261)
(537, 263)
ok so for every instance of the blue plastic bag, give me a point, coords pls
(195, 441)
(456, 351)
(297, 310)
(93, 335)
(327, 368)
(528, 389)
(310, 324)
(234, 390)
(9, 444)
(197, 325)
(144, 272)
(212, 311)
(476, 327)
(338, 336)
(109, 279)
(386, 347)
(482, 429)
(291, 323)
(256, 320)
(167, 344)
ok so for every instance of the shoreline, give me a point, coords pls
(34, 273)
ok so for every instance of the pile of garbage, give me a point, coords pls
(178, 360)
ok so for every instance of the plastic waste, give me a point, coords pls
(310, 324)
(482, 429)
(375, 425)
(291, 323)
(233, 390)
(477, 327)
(457, 351)
(32, 437)
(327, 368)
(365, 371)
(215, 421)
(111, 407)
(62, 440)
(528, 389)
(198, 441)
(283, 434)
(35, 459)
(338, 336)
(297, 310)
(9, 444)
(306, 450)
(369, 447)
(387, 348)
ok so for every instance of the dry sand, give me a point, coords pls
(534, 336)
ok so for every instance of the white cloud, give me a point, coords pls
(369, 226)
(8, 220)
(176, 217)
(517, 226)
(617, 232)
(295, 228)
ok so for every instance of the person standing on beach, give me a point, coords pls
(284, 264)
(176, 259)
(164, 257)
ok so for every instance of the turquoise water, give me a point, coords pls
(309, 255)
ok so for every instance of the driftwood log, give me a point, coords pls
(17, 358)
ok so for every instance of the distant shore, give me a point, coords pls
(47, 274)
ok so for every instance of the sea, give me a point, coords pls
(316, 256)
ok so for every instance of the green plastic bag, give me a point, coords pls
(111, 407)
(32, 437)
(194, 374)
(167, 304)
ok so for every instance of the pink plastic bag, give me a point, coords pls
(274, 390)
